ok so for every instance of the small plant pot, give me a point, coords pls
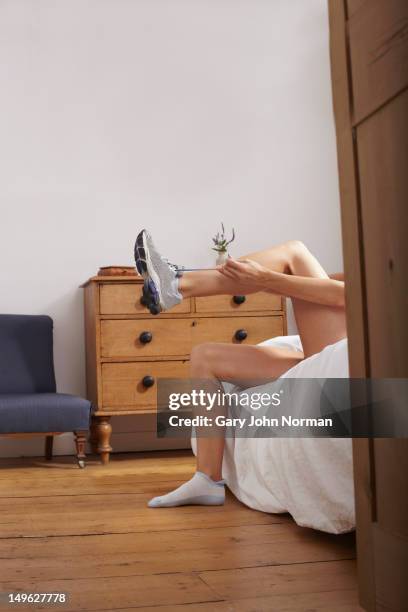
(221, 258)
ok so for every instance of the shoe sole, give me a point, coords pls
(140, 257)
(151, 287)
(150, 297)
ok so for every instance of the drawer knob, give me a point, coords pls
(148, 381)
(146, 337)
(144, 301)
(240, 334)
(239, 299)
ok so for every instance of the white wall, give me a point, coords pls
(166, 114)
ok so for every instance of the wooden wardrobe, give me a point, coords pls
(369, 60)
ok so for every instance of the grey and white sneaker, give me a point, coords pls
(160, 289)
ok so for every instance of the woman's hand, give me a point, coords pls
(245, 271)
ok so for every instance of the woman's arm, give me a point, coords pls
(326, 291)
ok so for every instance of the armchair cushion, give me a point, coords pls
(26, 355)
(43, 412)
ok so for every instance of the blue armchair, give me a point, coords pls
(29, 403)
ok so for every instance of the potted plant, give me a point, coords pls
(221, 245)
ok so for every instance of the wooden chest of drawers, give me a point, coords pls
(128, 349)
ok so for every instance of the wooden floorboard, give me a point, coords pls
(330, 601)
(90, 533)
(119, 592)
(119, 476)
(89, 514)
(176, 551)
(282, 579)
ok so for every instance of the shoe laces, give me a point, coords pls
(173, 266)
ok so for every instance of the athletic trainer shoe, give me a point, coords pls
(160, 288)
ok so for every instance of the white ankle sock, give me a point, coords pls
(200, 490)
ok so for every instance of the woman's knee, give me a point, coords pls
(297, 254)
(296, 247)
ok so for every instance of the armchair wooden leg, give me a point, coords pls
(80, 441)
(49, 441)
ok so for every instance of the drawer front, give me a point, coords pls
(123, 337)
(123, 387)
(125, 299)
(225, 329)
(228, 303)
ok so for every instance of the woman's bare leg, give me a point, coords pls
(318, 325)
(245, 365)
(289, 258)
(241, 364)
